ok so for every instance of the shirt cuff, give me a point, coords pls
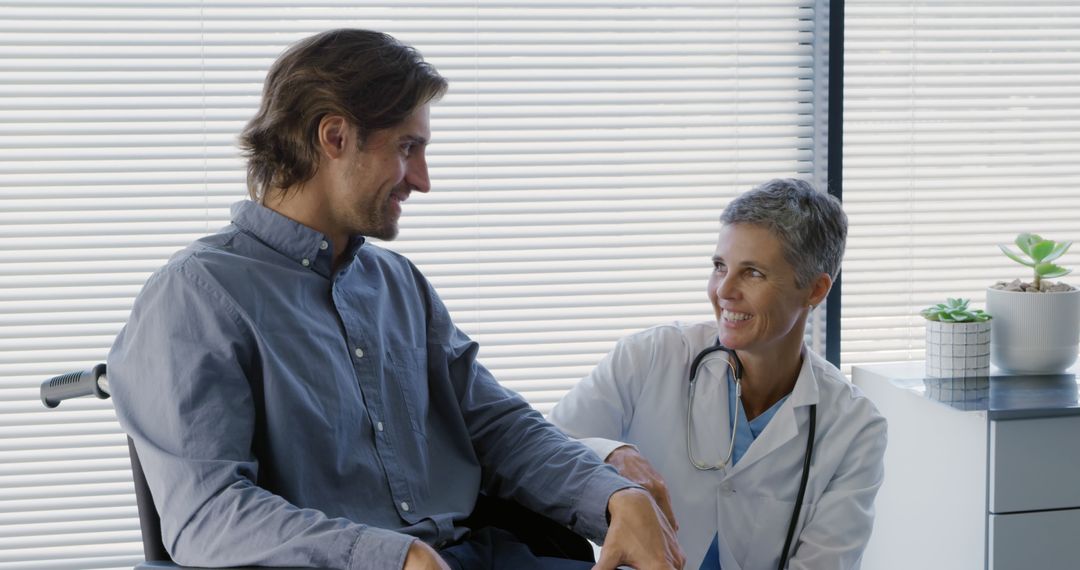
(592, 518)
(380, 548)
(604, 447)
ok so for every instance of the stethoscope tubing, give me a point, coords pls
(736, 370)
(802, 487)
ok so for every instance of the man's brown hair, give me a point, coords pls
(370, 78)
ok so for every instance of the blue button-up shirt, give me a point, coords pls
(290, 414)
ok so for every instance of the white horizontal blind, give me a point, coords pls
(961, 130)
(579, 163)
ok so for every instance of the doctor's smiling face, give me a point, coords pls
(758, 305)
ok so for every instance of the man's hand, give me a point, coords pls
(639, 535)
(423, 557)
(636, 468)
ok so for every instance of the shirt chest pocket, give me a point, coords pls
(405, 371)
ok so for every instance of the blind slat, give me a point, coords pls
(960, 132)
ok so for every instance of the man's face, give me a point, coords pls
(383, 171)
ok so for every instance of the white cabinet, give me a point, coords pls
(979, 473)
(1047, 539)
(1035, 465)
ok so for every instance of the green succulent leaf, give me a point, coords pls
(1058, 251)
(1040, 250)
(1051, 270)
(1025, 240)
(1015, 256)
(954, 311)
(1038, 253)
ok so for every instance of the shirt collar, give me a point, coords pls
(805, 392)
(304, 245)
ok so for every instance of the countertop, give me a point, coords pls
(1002, 396)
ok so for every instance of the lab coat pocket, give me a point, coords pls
(770, 528)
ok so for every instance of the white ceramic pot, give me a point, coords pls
(957, 350)
(1034, 333)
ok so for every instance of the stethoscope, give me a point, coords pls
(737, 372)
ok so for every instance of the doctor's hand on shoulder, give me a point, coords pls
(639, 535)
(635, 467)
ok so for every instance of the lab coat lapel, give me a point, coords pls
(792, 416)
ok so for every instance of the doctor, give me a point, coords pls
(724, 453)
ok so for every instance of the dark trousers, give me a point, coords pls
(492, 548)
(507, 535)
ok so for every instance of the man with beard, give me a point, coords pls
(300, 396)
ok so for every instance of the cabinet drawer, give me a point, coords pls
(1034, 464)
(1026, 541)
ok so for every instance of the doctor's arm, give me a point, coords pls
(598, 412)
(838, 529)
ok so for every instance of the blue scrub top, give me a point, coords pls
(745, 434)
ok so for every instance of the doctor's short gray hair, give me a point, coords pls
(811, 225)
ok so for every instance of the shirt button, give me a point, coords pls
(378, 426)
(305, 262)
(359, 352)
(323, 244)
(404, 506)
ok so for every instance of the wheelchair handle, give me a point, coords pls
(74, 385)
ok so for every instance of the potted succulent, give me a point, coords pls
(1037, 323)
(957, 340)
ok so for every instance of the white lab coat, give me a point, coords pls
(638, 395)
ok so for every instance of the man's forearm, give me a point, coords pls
(245, 525)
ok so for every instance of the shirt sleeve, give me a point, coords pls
(523, 457)
(603, 447)
(179, 375)
(837, 531)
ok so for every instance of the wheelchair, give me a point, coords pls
(543, 536)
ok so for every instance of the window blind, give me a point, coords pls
(579, 163)
(961, 131)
